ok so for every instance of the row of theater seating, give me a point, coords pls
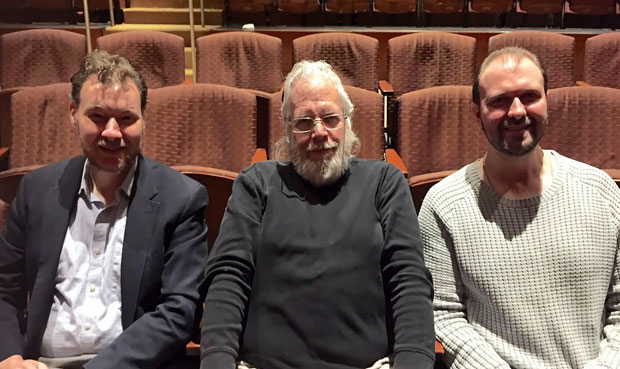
(20, 10)
(226, 128)
(424, 8)
(254, 61)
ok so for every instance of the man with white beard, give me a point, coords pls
(318, 263)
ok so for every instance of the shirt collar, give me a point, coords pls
(125, 187)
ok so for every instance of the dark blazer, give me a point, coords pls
(163, 258)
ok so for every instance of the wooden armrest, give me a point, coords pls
(614, 174)
(582, 84)
(259, 155)
(434, 177)
(385, 88)
(439, 348)
(193, 349)
(391, 156)
(4, 158)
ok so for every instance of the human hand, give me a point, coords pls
(18, 362)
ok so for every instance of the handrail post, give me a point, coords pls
(112, 12)
(89, 45)
(193, 38)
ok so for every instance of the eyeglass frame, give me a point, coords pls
(318, 120)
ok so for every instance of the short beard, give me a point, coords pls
(329, 170)
(502, 146)
(125, 161)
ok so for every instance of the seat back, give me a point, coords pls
(395, 6)
(556, 52)
(436, 130)
(592, 7)
(367, 121)
(158, 56)
(299, 6)
(602, 60)
(240, 59)
(249, 6)
(201, 124)
(428, 59)
(346, 6)
(584, 125)
(39, 57)
(354, 57)
(443, 6)
(542, 6)
(38, 129)
(219, 184)
(492, 6)
(9, 183)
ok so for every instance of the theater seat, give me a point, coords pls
(240, 59)
(203, 125)
(38, 129)
(158, 56)
(601, 64)
(436, 130)
(584, 125)
(39, 57)
(555, 51)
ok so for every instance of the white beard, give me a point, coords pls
(326, 171)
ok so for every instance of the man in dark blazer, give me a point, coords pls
(147, 265)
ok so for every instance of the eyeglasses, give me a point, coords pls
(306, 124)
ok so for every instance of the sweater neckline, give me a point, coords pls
(559, 176)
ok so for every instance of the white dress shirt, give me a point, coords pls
(86, 313)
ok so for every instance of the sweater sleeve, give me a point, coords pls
(229, 274)
(408, 281)
(609, 356)
(465, 348)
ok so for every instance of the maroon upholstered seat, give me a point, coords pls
(601, 66)
(584, 125)
(542, 6)
(443, 6)
(354, 57)
(158, 56)
(555, 51)
(298, 6)
(346, 6)
(436, 130)
(395, 6)
(38, 129)
(430, 59)
(491, 6)
(367, 121)
(240, 59)
(202, 125)
(592, 7)
(39, 57)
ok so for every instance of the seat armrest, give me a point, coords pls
(391, 156)
(385, 88)
(4, 158)
(193, 349)
(614, 174)
(259, 155)
(582, 84)
(439, 348)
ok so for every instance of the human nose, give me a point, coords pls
(111, 130)
(517, 109)
(319, 129)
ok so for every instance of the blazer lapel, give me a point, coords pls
(141, 218)
(58, 205)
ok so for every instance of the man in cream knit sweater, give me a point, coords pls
(523, 243)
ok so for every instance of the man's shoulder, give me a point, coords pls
(50, 173)
(454, 187)
(166, 178)
(590, 177)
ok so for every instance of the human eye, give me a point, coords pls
(500, 102)
(303, 123)
(529, 97)
(127, 119)
(97, 117)
(331, 120)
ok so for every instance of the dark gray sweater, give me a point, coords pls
(330, 277)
